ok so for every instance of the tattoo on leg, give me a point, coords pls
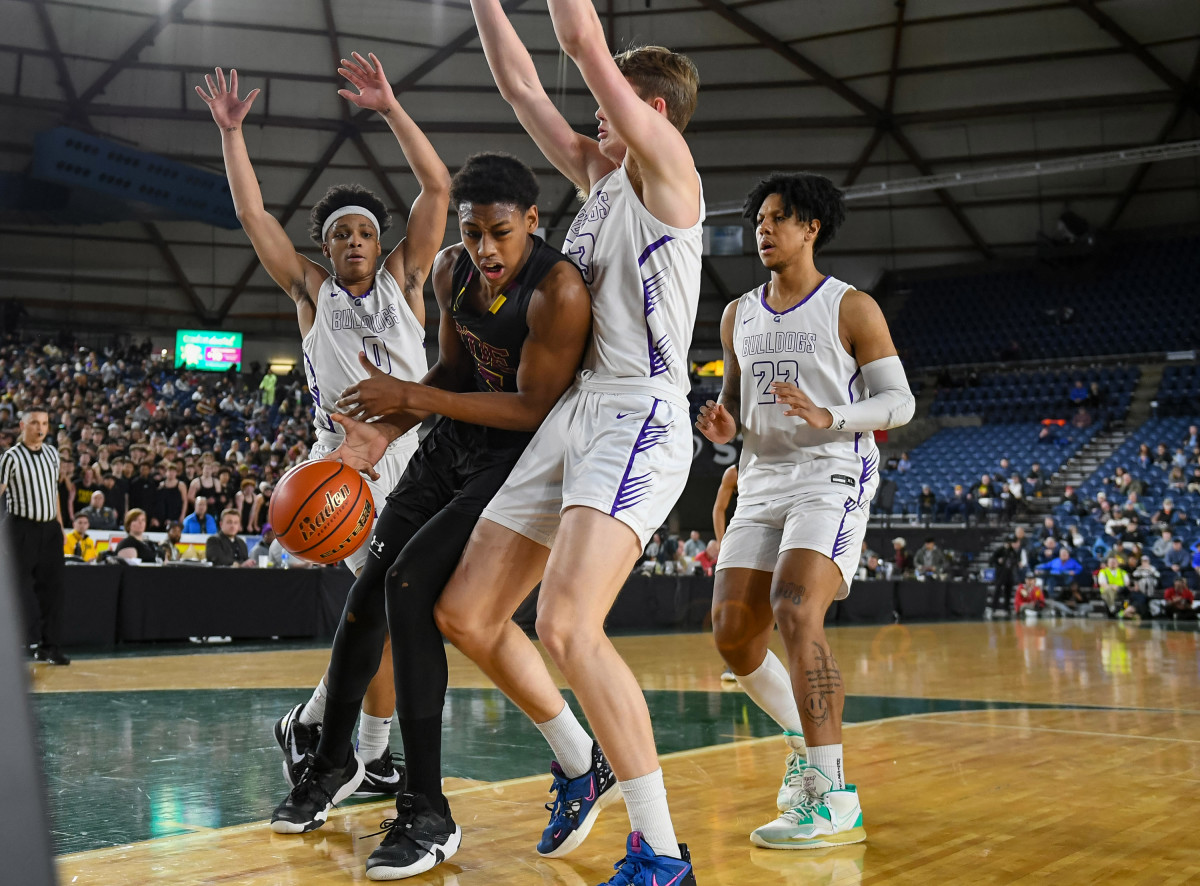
(824, 681)
(790, 591)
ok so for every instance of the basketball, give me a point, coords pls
(321, 511)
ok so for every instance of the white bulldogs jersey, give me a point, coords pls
(380, 324)
(644, 277)
(800, 346)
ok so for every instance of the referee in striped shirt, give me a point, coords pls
(29, 473)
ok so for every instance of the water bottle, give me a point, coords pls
(283, 561)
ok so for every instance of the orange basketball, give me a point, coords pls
(321, 511)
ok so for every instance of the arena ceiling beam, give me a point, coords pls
(449, 49)
(77, 114)
(356, 138)
(1135, 181)
(881, 118)
(168, 16)
(1185, 91)
(889, 102)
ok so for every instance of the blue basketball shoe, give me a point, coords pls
(577, 804)
(641, 867)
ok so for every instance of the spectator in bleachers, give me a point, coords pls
(227, 548)
(1177, 481)
(1069, 599)
(1049, 529)
(1162, 544)
(929, 561)
(263, 549)
(1178, 558)
(983, 496)
(1144, 457)
(66, 485)
(694, 545)
(1063, 568)
(167, 550)
(1162, 458)
(1114, 584)
(1029, 598)
(958, 505)
(135, 546)
(901, 559)
(99, 515)
(1145, 577)
(1013, 496)
(1034, 479)
(1078, 393)
(927, 504)
(706, 560)
(875, 568)
(1179, 459)
(1048, 435)
(1191, 439)
(1166, 516)
(1081, 419)
(1193, 483)
(904, 465)
(865, 553)
(171, 497)
(78, 543)
(1180, 601)
(200, 521)
(1071, 505)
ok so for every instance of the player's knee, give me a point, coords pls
(559, 632)
(731, 629)
(799, 618)
(455, 625)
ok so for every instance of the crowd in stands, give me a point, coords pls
(147, 447)
(668, 554)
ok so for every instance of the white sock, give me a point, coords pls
(373, 735)
(314, 708)
(770, 687)
(646, 800)
(572, 745)
(828, 758)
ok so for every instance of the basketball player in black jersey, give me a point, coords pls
(515, 319)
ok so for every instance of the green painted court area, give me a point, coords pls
(128, 766)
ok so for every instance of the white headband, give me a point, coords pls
(348, 210)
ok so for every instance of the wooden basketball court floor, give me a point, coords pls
(1062, 752)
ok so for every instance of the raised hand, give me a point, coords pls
(800, 406)
(715, 423)
(361, 448)
(376, 395)
(227, 109)
(374, 90)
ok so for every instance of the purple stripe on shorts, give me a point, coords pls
(634, 489)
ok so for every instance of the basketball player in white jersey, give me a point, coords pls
(611, 459)
(810, 372)
(358, 307)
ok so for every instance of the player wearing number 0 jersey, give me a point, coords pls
(810, 372)
(356, 305)
(380, 324)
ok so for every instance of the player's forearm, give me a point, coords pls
(423, 159)
(243, 185)
(718, 518)
(512, 67)
(510, 412)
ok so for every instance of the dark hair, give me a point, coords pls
(657, 72)
(806, 196)
(346, 195)
(494, 177)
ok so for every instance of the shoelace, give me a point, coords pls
(398, 825)
(627, 870)
(793, 779)
(559, 809)
(804, 807)
(309, 786)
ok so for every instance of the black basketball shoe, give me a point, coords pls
(307, 807)
(51, 655)
(417, 839)
(385, 776)
(297, 741)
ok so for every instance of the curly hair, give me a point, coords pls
(806, 196)
(345, 195)
(494, 177)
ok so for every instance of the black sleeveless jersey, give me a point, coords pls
(494, 337)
